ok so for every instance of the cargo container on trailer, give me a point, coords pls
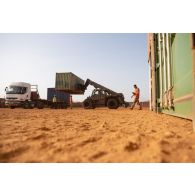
(61, 96)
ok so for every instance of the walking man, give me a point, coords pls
(136, 95)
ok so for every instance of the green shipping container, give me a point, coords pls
(68, 82)
(173, 84)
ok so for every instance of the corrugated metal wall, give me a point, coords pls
(174, 79)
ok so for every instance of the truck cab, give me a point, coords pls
(19, 94)
(16, 93)
(99, 96)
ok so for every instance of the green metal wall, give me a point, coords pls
(182, 67)
(181, 62)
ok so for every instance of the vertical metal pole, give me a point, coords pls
(153, 72)
(164, 62)
(193, 69)
(160, 63)
(165, 70)
(168, 69)
(168, 61)
(149, 40)
(150, 95)
(149, 75)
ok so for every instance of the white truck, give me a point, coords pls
(20, 94)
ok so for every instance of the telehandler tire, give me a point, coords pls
(112, 103)
(87, 104)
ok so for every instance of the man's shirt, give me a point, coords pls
(137, 93)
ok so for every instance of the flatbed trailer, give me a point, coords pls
(41, 103)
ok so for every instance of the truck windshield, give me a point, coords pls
(16, 90)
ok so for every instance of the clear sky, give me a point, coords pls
(116, 61)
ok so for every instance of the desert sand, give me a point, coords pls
(99, 135)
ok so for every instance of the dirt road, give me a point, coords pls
(99, 135)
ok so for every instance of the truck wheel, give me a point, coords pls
(26, 105)
(53, 105)
(112, 104)
(64, 106)
(12, 107)
(87, 104)
(40, 105)
(31, 105)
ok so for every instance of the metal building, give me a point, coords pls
(172, 73)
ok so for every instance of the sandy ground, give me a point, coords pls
(99, 135)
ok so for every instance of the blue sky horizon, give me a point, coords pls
(117, 61)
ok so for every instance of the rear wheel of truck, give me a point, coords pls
(40, 105)
(12, 107)
(64, 106)
(112, 103)
(53, 105)
(87, 104)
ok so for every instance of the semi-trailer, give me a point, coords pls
(25, 95)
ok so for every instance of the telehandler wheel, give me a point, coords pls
(87, 104)
(112, 103)
(126, 104)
